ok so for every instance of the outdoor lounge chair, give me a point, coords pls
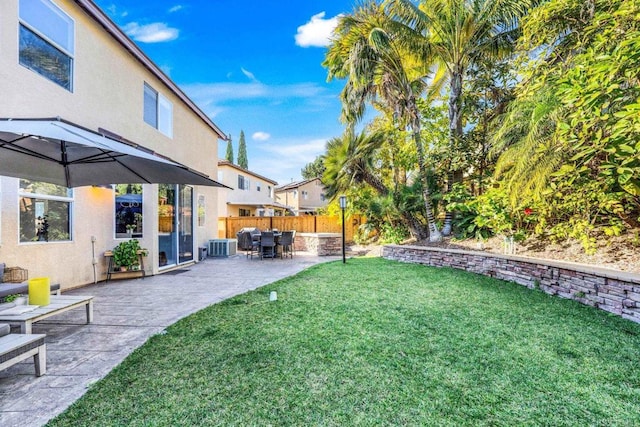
(15, 348)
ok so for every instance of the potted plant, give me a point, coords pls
(125, 255)
(17, 299)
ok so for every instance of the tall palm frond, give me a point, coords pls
(378, 69)
(452, 36)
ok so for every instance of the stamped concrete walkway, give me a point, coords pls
(126, 314)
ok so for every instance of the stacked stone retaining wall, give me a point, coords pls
(614, 291)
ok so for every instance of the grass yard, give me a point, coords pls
(377, 342)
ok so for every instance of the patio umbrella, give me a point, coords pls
(59, 152)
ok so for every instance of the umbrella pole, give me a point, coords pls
(94, 261)
(65, 162)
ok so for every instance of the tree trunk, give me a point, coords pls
(455, 134)
(416, 228)
(434, 233)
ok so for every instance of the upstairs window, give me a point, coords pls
(243, 183)
(158, 111)
(270, 191)
(305, 195)
(46, 42)
(258, 186)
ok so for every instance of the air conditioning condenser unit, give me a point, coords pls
(222, 247)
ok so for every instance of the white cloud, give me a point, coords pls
(317, 32)
(298, 152)
(156, 32)
(260, 136)
(214, 111)
(113, 11)
(209, 93)
(176, 8)
(249, 75)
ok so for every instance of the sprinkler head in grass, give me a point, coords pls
(273, 296)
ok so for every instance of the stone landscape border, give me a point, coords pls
(614, 291)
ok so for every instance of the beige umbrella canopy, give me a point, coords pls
(59, 152)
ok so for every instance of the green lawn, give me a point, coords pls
(376, 342)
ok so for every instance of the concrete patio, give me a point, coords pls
(126, 314)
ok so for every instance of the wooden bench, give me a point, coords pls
(15, 348)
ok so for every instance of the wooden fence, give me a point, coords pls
(228, 227)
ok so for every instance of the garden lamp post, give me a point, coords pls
(343, 205)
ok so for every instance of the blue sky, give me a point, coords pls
(250, 65)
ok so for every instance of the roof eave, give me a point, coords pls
(112, 28)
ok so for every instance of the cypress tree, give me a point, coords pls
(243, 162)
(229, 155)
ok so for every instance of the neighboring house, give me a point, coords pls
(66, 58)
(250, 195)
(303, 197)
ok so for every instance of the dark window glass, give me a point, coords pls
(45, 212)
(128, 213)
(42, 57)
(150, 106)
(44, 220)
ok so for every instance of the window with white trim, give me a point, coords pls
(45, 212)
(258, 186)
(243, 183)
(46, 41)
(158, 111)
(128, 212)
(305, 194)
(270, 190)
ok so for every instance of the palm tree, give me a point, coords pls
(452, 36)
(349, 162)
(378, 70)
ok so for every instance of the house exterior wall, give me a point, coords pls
(314, 199)
(289, 198)
(294, 197)
(107, 93)
(231, 201)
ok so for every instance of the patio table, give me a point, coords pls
(57, 305)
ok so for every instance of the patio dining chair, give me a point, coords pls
(267, 245)
(247, 244)
(286, 241)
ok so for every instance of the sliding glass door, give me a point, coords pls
(175, 224)
(185, 224)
